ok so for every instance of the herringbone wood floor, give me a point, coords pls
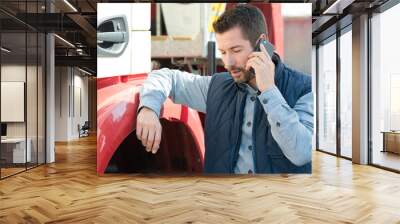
(70, 191)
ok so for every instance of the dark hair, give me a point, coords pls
(249, 18)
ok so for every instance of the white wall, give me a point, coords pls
(80, 83)
(15, 73)
(61, 103)
(70, 83)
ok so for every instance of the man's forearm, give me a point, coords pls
(155, 90)
(182, 87)
(291, 128)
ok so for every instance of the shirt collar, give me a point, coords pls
(250, 89)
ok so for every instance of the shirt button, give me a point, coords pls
(250, 147)
(248, 124)
(264, 101)
(250, 172)
(252, 98)
(278, 124)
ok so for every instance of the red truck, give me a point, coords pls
(118, 149)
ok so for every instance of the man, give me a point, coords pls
(254, 124)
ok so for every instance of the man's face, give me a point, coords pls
(235, 50)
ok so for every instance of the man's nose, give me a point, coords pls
(229, 61)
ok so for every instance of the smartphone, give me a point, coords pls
(268, 46)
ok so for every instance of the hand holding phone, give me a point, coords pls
(268, 46)
(262, 64)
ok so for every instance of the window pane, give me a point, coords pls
(41, 98)
(327, 97)
(31, 97)
(14, 153)
(386, 89)
(346, 94)
(314, 78)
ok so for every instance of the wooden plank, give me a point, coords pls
(69, 191)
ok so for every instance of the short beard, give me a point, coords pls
(245, 76)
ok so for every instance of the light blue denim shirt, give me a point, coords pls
(245, 162)
(292, 128)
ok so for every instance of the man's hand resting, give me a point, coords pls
(148, 129)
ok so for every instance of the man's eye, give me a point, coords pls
(237, 51)
(222, 52)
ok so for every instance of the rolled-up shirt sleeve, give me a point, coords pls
(292, 128)
(182, 87)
